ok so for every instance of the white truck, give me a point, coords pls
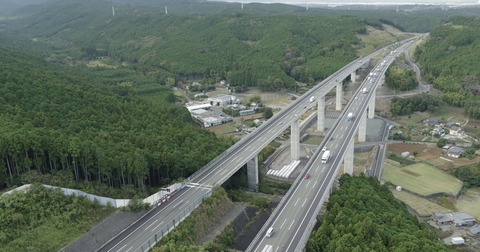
(312, 98)
(325, 157)
(364, 90)
(350, 117)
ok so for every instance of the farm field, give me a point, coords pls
(224, 129)
(422, 178)
(424, 151)
(422, 206)
(470, 202)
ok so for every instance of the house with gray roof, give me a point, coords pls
(455, 152)
(461, 219)
(474, 231)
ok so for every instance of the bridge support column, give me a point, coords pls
(295, 140)
(348, 161)
(252, 173)
(339, 98)
(371, 107)
(321, 114)
(353, 76)
(362, 128)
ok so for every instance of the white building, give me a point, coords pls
(194, 106)
(222, 100)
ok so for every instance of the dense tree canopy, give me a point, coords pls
(364, 216)
(400, 79)
(449, 60)
(271, 51)
(55, 118)
(470, 175)
(410, 104)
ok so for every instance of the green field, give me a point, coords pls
(422, 178)
(470, 202)
(422, 206)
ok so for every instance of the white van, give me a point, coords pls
(269, 232)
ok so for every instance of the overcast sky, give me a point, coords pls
(302, 2)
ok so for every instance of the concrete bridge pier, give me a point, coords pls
(371, 106)
(362, 128)
(353, 76)
(321, 114)
(348, 161)
(252, 173)
(295, 140)
(339, 98)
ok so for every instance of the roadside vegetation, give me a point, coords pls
(45, 220)
(188, 234)
(362, 215)
(400, 79)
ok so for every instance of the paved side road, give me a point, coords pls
(102, 232)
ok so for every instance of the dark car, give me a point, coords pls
(307, 176)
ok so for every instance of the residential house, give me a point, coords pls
(456, 131)
(456, 218)
(461, 219)
(455, 152)
(446, 147)
(450, 124)
(440, 219)
(474, 231)
(463, 145)
(431, 121)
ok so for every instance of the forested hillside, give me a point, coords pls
(364, 216)
(66, 119)
(267, 50)
(449, 60)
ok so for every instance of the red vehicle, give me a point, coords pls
(307, 176)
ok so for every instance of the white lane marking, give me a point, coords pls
(316, 170)
(304, 202)
(148, 227)
(296, 202)
(291, 225)
(277, 249)
(175, 206)
(283, 223)
(314, 184)
(308, 183)
(157, 226)
(129, 249)
(123, 247)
